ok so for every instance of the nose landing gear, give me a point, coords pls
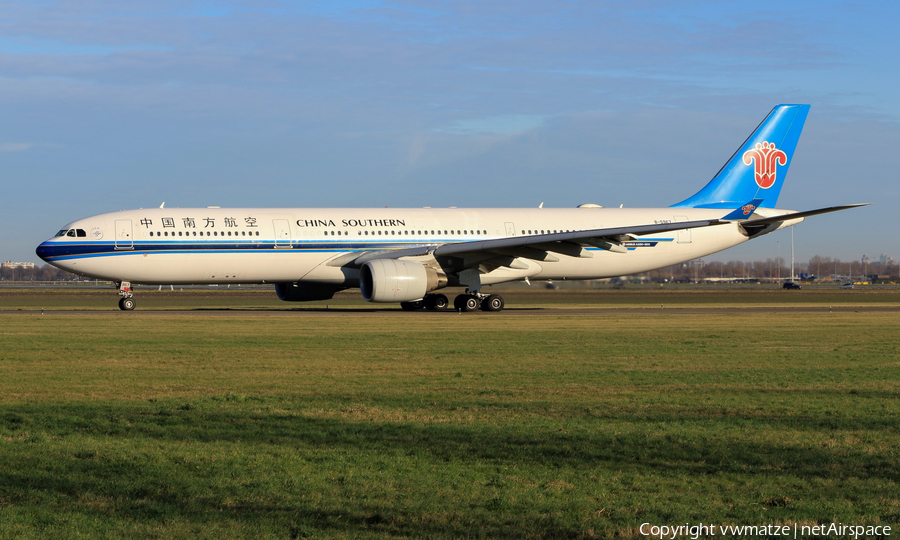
(126, 303)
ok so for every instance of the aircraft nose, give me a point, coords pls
(43, 251)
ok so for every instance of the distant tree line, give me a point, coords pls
(37, 273)
(817, 268)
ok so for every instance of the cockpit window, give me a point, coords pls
(74, 233)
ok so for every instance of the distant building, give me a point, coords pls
(10, 264)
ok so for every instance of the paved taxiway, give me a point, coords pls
(317, 312)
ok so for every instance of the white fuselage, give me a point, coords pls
(271, 245)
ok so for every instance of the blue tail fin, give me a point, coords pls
(758, 168)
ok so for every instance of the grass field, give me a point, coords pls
(546, 424)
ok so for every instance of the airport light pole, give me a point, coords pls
(792, 254)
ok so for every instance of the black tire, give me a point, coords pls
(436, 302)
(459, 303)
(471, 303)
(493, 302)
(412, 306)
(126, 304)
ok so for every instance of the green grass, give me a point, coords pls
(488, 426)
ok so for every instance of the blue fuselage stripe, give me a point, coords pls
(61, 251)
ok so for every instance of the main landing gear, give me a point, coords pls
(476, 301)
(463, 302)
(126, 303)
(431, 302)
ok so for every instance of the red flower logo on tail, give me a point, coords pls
(748, 209)
(765, 156)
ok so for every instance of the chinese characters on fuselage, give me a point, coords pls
(191, 223)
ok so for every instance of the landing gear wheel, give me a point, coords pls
(493, 302)
(412, 306)
(466, 302)
(436, 302)
(126, 304)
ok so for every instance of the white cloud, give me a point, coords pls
(15, 147)
(507, 124)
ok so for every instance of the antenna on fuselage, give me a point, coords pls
(163, 204)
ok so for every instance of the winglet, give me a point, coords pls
(744, 212)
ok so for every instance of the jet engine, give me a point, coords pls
(305, 292)
(392, 280)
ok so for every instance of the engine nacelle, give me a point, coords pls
(392, 280)
(305, 292)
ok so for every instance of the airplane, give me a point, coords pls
(408, 255)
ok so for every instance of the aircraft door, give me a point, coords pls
(683, 235)
(510, 229)
(282, 233)
(124, 234)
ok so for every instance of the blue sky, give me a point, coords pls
(113, 105)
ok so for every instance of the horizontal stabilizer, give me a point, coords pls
(796, 215)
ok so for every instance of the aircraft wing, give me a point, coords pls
(538, 246)
(569, 242)
(504, 251)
